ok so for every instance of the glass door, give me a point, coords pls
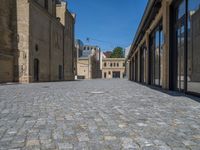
(180, 46)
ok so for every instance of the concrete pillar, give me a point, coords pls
(139, 65)
(133, 69)
(129, 70)
(166, 32)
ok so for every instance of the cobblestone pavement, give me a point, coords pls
(96, 115)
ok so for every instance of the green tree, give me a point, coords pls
(117, 53)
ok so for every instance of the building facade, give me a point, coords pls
(165, 51)
(89, 61)
(113, 68)
(88, 68)
(42, 45)
(89, 50)
(84, 67)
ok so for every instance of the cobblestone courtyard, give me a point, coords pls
(96, 114)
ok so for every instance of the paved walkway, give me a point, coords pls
(96, 115)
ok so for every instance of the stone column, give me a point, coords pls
(166, 48)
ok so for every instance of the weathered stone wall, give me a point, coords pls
(47, 36)
(51, 6)
(60, 12)
(84, 65)
(69, 46)
(23, 40)
(8, 41)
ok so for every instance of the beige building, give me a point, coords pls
(84, 67)
(88, 68)
(113, 68)
(37, 42)
(165, 51)
(88, 64)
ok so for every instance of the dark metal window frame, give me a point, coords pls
(152, 36)
(173, 45)
(173, 49)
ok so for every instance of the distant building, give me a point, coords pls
(108, 54)
(79, 47)
(89, 50)
(88, 64)
(113, 68)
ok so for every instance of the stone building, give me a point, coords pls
(165, 51)
(84, 67)
(88, 64)
(113, 68)
(89, 50)
(41, 39)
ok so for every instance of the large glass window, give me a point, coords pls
(157, 58)
(193, 65)
(156, 50)
(143, 64)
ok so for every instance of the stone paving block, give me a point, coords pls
(82, 137)
(125, 116)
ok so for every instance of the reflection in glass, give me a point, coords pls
(161, 55)
(143, 64)
(193, 46)
(157, 41)
(181, 9)
(157, 57)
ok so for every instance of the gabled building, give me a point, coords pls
(166, 48)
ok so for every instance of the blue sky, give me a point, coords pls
(108, 23)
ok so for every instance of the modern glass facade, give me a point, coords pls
(166, 49)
